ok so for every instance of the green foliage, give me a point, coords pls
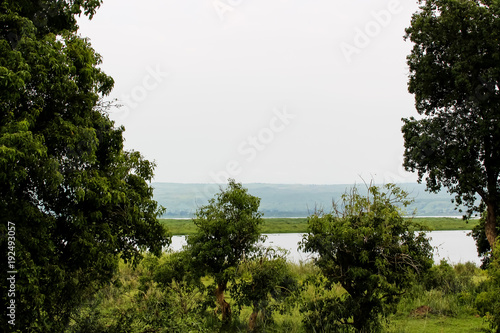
(368, 248)
(454, 75)
(228, 229)
(264, 281)
(438, 324)
(488, 302)
(77, 199)
(482, 244)
(284, 225)
(445, 278)
(135, 303)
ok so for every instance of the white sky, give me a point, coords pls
(272, 91)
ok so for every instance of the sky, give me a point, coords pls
(262, 91)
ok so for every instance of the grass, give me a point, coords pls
(299, 225)
(441, 324)
(446, 223)
(179, 226)
(124, 306)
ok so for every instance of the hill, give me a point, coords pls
(290, 200)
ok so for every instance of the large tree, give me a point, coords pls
(71, 199)
(455, 77)
(228, 228)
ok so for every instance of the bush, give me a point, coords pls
(149, 298)
(264, 283)
(488, 302)
(368, 248)
(450, 280)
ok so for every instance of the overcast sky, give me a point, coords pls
(272, 91)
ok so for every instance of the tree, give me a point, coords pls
(228, 228)
(455, 77)
(72, 201)
(371, 250)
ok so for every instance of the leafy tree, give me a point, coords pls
(48, 16)
(264, 278)
(455, 77)
(367, 247)
(228, 228)
(71, 198)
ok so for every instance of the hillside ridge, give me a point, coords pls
(291, 200)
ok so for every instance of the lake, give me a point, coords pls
(455, 246)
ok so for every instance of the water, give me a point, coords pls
(455, 246)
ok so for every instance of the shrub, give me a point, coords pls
(368, 248)
(487, 301)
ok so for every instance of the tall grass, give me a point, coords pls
(442, 299)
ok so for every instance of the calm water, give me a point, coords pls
(454, 246)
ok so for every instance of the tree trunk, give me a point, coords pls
(253, 319)
(223, 305)
(490, 226)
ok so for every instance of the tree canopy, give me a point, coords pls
(77, 200)
(228, 228)
(455, 77)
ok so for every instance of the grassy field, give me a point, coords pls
(441, 324)
(299, 225)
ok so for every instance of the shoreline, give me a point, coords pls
(285, 225)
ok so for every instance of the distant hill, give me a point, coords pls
(288, 200)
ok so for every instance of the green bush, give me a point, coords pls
(368, 248)
(137, 303)
(488, 302)
(448, 279)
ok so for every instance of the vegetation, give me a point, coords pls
(454, 75)
(227, 229)
(265, 293)
(72, 200)
(264, 282)
(370, 250)
(76, 209)
(283, 225)
(125, 305)
(487, 302)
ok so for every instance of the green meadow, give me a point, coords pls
(299, 225)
